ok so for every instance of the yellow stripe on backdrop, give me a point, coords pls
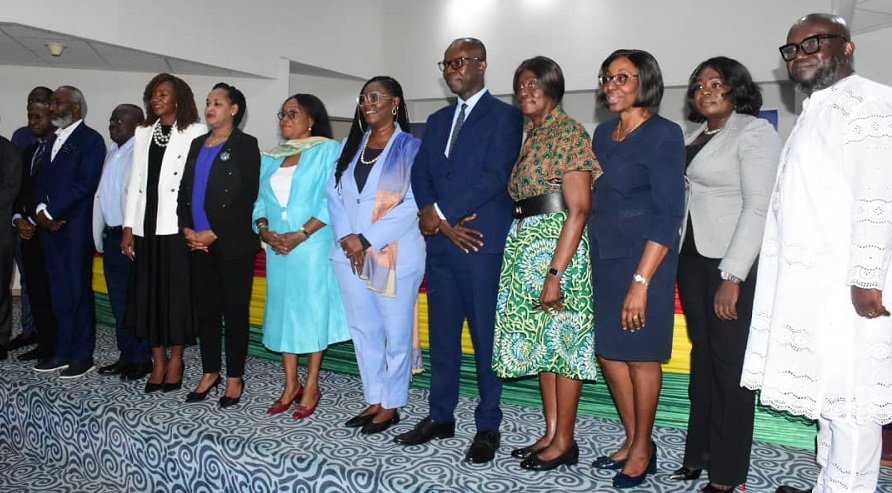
(681, 345)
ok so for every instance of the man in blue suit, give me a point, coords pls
(66, 183)
(460, 180)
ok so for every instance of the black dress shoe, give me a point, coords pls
(709, 488)
(605, 462)
(170, 387)
(30, 355)
(359, 420)
(685, 474)
(484, 447)
(4, 354)
(136, 371)
(371, 427)
(113, 369)
(426, 430)
(524, 452)
(790, 489)
(569, 458)
(22, 340)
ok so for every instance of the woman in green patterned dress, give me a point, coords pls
(544, 312)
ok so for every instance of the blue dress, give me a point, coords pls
(304, 312)
(639, 198)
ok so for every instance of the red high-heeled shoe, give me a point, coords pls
(303, 412)
(281, 407)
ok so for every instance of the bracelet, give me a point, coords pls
(727, 276)
(556, 273)
(640, 279)
(304, 231)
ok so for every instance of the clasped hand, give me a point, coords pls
(282, 243)
(464, 237)
(868, 303)
(353, 250)
(46, 222)
(199, 240)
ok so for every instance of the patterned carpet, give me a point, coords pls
(100, 434)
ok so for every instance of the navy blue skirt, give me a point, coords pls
(611, 279)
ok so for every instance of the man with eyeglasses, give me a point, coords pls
(820, 344)
(460, 181)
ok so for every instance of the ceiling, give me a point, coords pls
(26, 46)
(871, 15)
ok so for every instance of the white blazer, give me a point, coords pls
(168, 183)
(729, 186)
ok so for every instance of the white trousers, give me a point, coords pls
(849, 456)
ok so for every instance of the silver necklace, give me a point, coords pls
(712, 132)
(158, 136)
(362, 157)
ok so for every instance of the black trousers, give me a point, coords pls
(221, 290)
(720, 425)
(39, 295)
(7, 256)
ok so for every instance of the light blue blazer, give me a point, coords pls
(351, 212)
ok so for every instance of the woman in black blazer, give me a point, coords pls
(216, 199)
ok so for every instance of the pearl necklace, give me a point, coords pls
(158, 136)
(362, 157)
(712, 132)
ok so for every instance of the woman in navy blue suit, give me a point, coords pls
(637, 209)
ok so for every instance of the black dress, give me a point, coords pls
(159, 300)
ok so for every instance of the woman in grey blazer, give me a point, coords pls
(731, 164)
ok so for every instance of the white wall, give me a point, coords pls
(579, 34)
(105, 90)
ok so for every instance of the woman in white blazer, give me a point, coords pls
(379, 258)
(731, 165)
(159, 307)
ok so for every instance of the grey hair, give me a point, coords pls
(77, 97)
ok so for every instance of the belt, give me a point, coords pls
(113, 229)
(540, 204)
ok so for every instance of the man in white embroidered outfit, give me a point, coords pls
(819, 344)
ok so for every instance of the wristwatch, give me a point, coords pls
(556, 273)
(640, 279)
(727, 276)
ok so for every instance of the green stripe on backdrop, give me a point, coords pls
(770, 426)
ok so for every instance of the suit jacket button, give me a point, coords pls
(448, 176)
(175, 173)
(357, 201)
(172, 190)
(226, 191)
(224, 206)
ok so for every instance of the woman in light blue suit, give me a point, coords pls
(304, 312)
(379, 256)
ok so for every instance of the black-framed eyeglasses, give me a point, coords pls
(809, 45)
(291, 115)
(372, 98)
(457, 63)
(619, 79)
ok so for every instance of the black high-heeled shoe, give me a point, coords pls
(200, 396)
(569, 458)
(153, 387)
(227, 401)
(170, 387)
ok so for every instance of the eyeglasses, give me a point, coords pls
(291, 115)
(808, 46)
(619, 79)
(372, 98)
(457, 63)
(530, 86)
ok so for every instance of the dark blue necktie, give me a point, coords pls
(38, 155)
(457, 128)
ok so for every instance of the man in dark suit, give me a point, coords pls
(10, 181)
(460, 180)
(25, 221)
(68, 179)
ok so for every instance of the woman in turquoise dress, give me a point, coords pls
(304, 312)
(544, 317)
